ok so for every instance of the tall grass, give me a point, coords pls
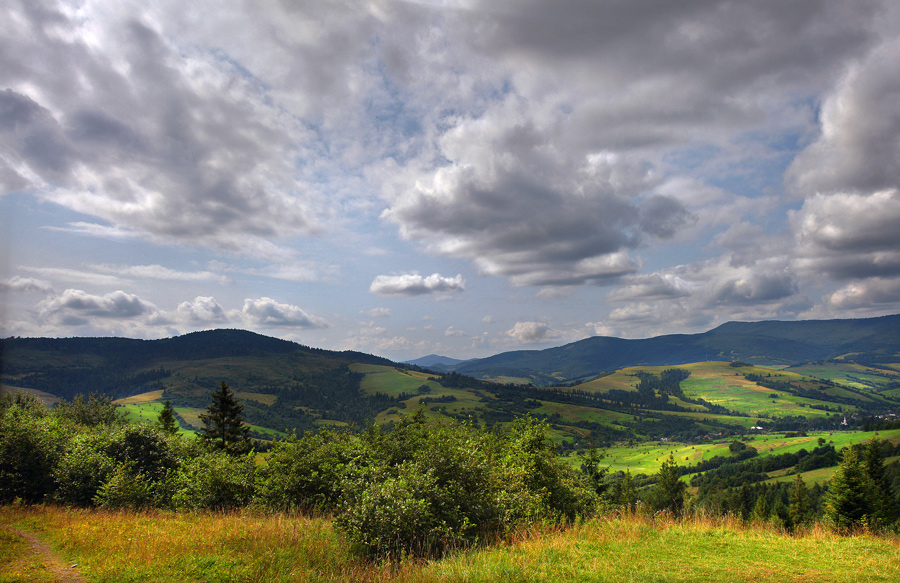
(114, 547)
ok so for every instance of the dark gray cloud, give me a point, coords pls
(76, 307)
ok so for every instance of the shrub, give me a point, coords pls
(306, 473)
(125, 488)
(85, 466)
(29, 449)
(428, 488)
(214, 481)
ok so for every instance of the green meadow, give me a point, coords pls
(157, 547)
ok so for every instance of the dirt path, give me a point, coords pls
(53, 564)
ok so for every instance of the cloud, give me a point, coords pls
(170, 141)
(857, 151)
(872, 293)
(416, 285)
(532, 332)
(454, 331)
(161, 273)
(201, 310)
(74, 307)
(378, 313)
(650, 287)
(25, 284)
(267, 312)
(849, 236)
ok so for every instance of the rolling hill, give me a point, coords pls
(677, 386)
(771, 343)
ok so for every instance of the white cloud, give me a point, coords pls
(416, 285)
(531, 332)
(872, 293)
(378, 313)
(201, 310)
(25, 284)
(161, 273)
(454, 331)
(267, 312)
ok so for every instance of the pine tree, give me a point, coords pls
(166, 419)
(800, 509)
(880, 492)
(223, 423)
(670, 490)
(847, 504)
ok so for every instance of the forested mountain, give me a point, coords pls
(284, 385)
(767, 343)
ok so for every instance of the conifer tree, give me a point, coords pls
(800, 509)
(166, 419)
(847, 504)
(223, 423)
(670, 490)
(880, 492)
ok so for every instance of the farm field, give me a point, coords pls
(189, 547)
(853, 375)
(646, 458)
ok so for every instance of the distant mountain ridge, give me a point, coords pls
(435, 360)
(771, 342)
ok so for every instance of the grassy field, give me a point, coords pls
(850, 374)
(721, 384)
(188, 547)
(646, 458)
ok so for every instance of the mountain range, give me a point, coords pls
(771, 343)
(737, 375)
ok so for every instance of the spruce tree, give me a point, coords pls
(670, 491)
(880, 492)
(800, 509)
(166, 419)
(848, 504)
(223, 423)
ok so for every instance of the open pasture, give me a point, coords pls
(646, 458)
(850, 374)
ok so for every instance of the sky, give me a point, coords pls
(459, 177)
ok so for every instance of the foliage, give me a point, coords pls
(223, 423)
(215, 480)
(125, 488)
(306, 473)
(167, 420)
(96, 409)
(859, 494)
(84, 467)
(29, 449)
(426, 488)
(669, 492)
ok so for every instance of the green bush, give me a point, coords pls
(125, 488)
(306, 473)
(84, 467)
(30, 447)
(428, 488)
(214, 480)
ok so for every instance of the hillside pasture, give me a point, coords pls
(850, 374)
(648, 457)
(392, 381)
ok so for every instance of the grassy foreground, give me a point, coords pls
(187, 547)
